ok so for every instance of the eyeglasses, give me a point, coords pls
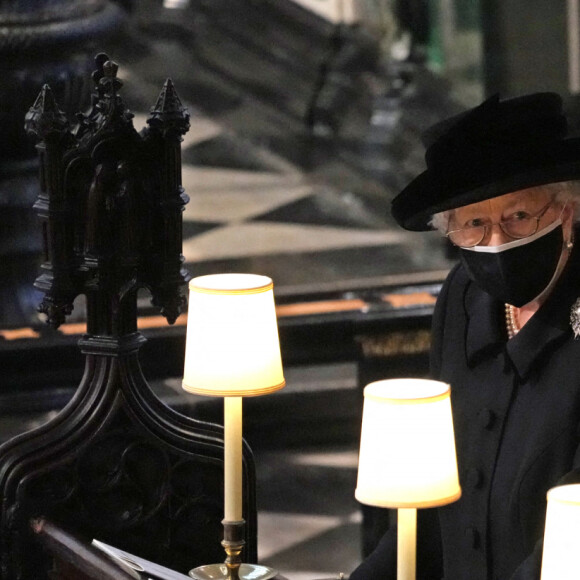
(522, 225)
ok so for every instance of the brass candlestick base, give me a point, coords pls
(232, 568)
(221, 572)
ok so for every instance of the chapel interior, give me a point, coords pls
(305, 120)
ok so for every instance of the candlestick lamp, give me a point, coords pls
(561, 552)
(407, 455)
(232, 351)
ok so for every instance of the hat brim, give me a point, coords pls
(431, 192)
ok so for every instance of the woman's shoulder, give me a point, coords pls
(450, 294)
(457, 291)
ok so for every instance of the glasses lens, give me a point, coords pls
(467, 237)
(520, 228)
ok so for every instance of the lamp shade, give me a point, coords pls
(232, 346)
(407, 450)
(561, 552)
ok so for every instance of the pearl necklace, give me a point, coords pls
(511, 321)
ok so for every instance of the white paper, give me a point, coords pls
(148, 569)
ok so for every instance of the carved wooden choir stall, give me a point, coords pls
(116, 464)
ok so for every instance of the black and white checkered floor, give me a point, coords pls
(308, 520)
(252, 211)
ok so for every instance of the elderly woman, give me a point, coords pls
(500, 184)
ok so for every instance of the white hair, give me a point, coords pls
(563, 191)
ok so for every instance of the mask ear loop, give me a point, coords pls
(568, 245)
(570, 242)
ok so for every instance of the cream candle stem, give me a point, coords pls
(233, 459)
(406, 543)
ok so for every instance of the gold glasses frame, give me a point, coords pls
(504, 226)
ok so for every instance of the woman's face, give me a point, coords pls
(529, 202)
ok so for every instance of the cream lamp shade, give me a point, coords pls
(407, 450)
(232, 345)
(561, 552)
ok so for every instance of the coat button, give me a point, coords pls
(487, 418)
(472, 539)
(475, 478)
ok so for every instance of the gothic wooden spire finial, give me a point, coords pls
(111, 205)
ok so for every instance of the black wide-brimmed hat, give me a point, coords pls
(496, 148)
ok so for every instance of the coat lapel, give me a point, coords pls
(484, 333)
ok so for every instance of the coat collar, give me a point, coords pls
(486, 330)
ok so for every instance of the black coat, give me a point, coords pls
(516, 409)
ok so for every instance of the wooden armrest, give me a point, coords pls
(75, 559)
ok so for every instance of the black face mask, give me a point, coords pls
(519, 271)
